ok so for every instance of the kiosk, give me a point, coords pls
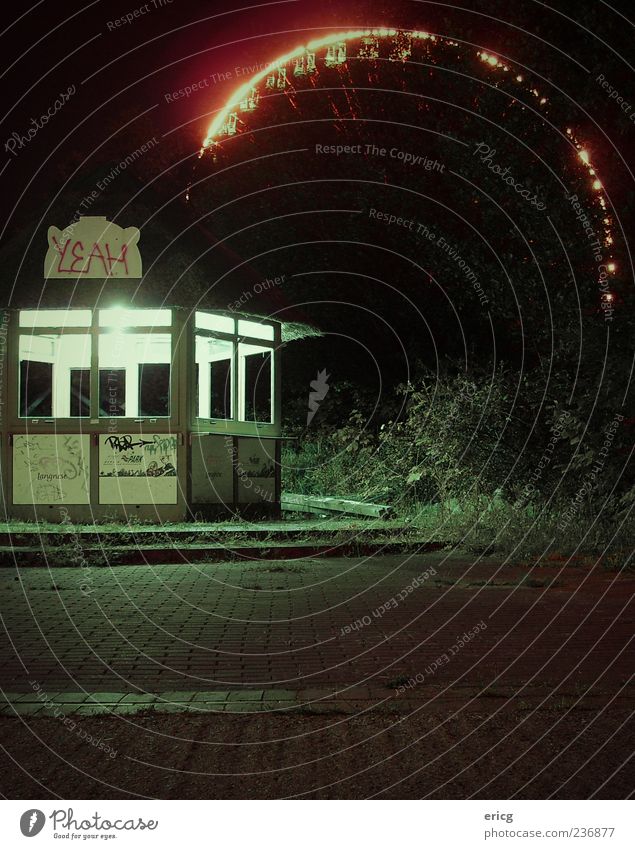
(113, 411)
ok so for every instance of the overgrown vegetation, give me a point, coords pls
(490, 459)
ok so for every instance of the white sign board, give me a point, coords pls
(212, 469)
(256, 471)
(93, 248)
(51, 469)
(138, 468)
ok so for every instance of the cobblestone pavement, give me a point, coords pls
(385, 627)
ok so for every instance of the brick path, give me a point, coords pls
(270, 625)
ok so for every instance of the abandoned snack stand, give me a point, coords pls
(113, 411)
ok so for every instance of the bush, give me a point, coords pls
(479, 457)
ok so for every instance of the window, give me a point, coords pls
(112, 392)
(80, 392)
(55, 318)
(121, 317)
(154, 389)
(255, 330)
(54, 375)
(234, 371)
(214, 362)
(219, 323)
(255, 376)
(133, 360)
(36, 389)
(134, 374)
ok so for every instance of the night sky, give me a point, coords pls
(129, 65)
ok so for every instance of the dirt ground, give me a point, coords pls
(492, 749)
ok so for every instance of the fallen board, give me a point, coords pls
(329, 504)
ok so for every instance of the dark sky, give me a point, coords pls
(125, 60)
(124, 76)
(127, 69)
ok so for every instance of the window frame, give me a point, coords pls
(183, 413)
(139, 330)
(47, 331)
(235, 426)
(94, 421)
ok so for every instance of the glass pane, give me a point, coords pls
(112, 392)
(253, 328)
(55, 318)
(154, 389)
(255, 364)
(214, 362)
(80, 392)
(121, 317)
(47, 384)
(220, 385)
(36, 389)
(220, 323)
(138, 391)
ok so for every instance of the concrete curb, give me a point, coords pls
(176, 554)
(221, 701)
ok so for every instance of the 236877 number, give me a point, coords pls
(592, 832)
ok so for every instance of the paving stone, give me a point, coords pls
(106, 698)
(355, 693)
(279, 695)
(242, 707)
(277, 706)
(175, 707)
(127, 709)
(175, 696)
(58, 711)
(28, 697)
(313, 694)
(70, 698)
(205, 707)
(137, 699)
(9, 698)
(278, 643)
(93, 710)
(245, 696)
(212, 696)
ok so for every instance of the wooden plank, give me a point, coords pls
(332, 504)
